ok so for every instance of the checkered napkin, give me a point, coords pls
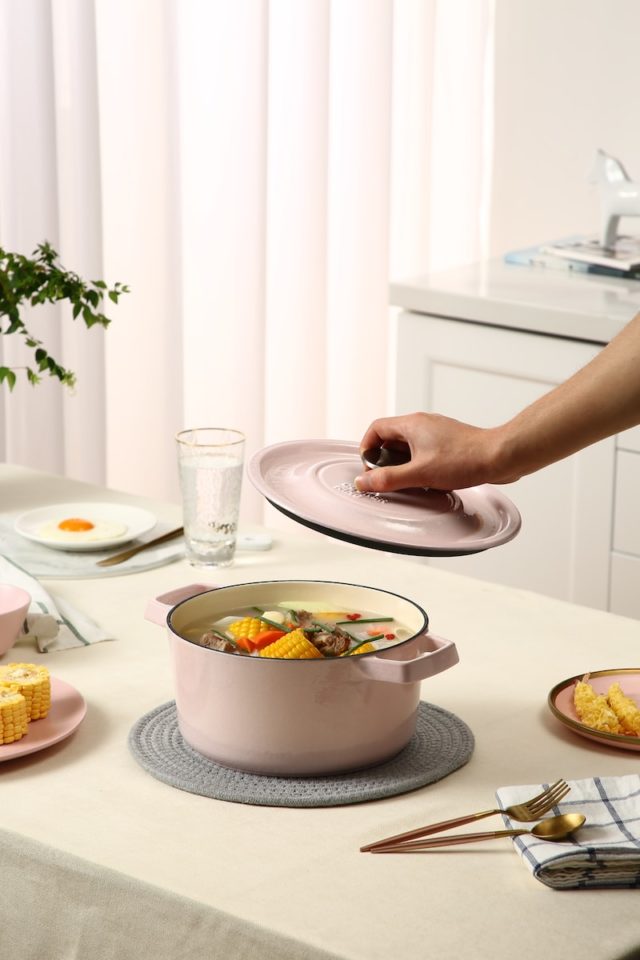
(51, 624)
(605, 852)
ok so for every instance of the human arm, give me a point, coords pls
(601, 399)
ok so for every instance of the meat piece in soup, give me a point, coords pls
(293, 631)
(215, 642)
(332, 643)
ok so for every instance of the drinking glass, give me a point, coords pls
(210, 461)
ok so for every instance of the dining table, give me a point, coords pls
(102, 860)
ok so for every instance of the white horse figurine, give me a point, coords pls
(619, 196)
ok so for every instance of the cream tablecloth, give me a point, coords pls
(99, 860)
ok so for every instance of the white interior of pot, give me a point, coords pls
(268, 594)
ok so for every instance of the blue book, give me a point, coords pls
(541, 259)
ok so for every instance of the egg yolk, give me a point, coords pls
(74, 524)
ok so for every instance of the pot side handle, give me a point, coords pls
(439, 655)
(157, 610)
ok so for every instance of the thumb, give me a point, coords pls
(384, 479)
(363, 483)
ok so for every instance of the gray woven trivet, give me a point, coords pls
(441, 744)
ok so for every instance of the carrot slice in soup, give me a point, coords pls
(263, 639)
(245, 643)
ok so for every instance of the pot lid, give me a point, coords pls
(311, 481)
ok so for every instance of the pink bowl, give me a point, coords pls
(14, 603)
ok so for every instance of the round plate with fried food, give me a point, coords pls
(561, 703)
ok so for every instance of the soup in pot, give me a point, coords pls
(299, 631)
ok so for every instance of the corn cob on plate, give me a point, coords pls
(14, 721)
(68, 709)
(34, 684)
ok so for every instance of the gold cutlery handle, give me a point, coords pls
(419, 845)
(432, 828)
(132, 551)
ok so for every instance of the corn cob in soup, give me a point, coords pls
(298, 632)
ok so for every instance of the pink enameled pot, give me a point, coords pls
(297, 717)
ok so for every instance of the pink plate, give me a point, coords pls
(311, 481)
(66, 714)
(561, 704)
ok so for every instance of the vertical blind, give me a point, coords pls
(256, 172)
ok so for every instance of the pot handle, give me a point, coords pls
(157, 610)
(437, 655)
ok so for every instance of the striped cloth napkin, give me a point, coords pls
(605, 852)
(52, 624)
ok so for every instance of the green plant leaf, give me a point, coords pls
(7, 374)
(16, 324)
(42, 279)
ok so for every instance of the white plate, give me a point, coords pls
(135, 520)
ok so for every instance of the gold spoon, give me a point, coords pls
(553, 828)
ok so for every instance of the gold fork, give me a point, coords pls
(532, 809)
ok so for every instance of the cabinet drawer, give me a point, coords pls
(625, 585)
(485, 375)
(629, 440)
(626, 523)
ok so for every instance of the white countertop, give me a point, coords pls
(579, 306)
(281, 883)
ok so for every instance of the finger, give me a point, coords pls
(387, 479)
(371, 438)
(381, 431)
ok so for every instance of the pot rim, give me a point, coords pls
(325, 660)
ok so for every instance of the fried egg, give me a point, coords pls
(81, 530)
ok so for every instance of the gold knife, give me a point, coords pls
(132, 551)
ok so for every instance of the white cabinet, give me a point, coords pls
(484, 375)
(580, 537)
(626, 514)
(625, 556)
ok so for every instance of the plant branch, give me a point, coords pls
(30, 281)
